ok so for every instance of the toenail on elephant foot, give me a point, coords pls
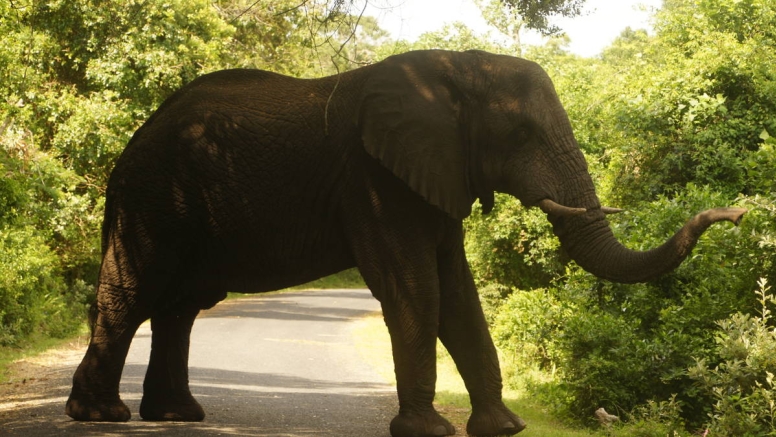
(87, 408)
(183, 409)
(428, 424)
(494, 422)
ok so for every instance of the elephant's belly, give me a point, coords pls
(259, 265)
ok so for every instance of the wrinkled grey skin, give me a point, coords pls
(251, 181)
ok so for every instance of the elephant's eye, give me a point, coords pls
(521, 135)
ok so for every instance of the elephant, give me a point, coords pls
(250, 181)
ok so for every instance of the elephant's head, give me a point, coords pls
(459, 126)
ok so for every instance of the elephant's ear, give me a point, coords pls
(410, 122)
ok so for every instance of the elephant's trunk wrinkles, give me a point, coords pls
(589, 241)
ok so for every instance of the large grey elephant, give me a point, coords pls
(251, 181)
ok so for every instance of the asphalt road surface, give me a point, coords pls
(272, 365)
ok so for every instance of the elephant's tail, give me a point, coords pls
(107, 222)
(92, 317)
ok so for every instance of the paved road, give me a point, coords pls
(272, 365)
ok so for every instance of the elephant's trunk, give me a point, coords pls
(580, 222)
(589, 241)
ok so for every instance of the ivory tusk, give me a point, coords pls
(552, 208)
(608, 210)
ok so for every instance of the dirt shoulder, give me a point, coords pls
(40, 381)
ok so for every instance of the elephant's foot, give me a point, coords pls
(495, 421)
(427, 424)
(89, 408)
(183, 408)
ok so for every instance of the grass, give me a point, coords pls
(452, 400)
(346, 279)
(350, 278)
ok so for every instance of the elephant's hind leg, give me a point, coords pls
(95, 393)
(166, 394)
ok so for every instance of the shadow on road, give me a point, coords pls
(232, 384)
(338, 294)
(316, 306)
(273, 405)
(294, 409)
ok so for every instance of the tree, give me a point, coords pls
(536, 13)
(672, 123)
(78, 77)
(303, 39)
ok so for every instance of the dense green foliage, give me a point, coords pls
(77, 78)
(672, 123)
(742, 385)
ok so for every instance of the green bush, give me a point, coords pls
(525, 326)
(512, 246)
(652, 419)
(655, 331)
(672, 124)
(47, 246)
(30, 288)
(621, 346)
(740, 379)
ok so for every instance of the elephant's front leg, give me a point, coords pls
(411, 317)
(403, 276)
(394, 235)
(464, 332)
(166, 394)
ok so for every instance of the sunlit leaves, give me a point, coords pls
(536, 12)
(671, 123)
(78, 77)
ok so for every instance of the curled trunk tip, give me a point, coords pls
(733, 215)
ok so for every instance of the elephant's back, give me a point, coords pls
(227, 126)
(234, 159)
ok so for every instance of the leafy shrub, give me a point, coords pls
(742, 382)
(632, 343)
(623, 346)
(652, 419)
(526, 324)
(512, 246)
(603, 363)
(30, 288)
(47, 246)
